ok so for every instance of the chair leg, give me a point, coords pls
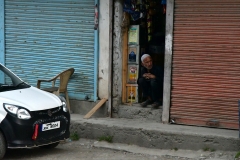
(56, 92)
(67, 98)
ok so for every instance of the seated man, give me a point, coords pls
(151, 82)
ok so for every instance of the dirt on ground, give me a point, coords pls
(87, 149)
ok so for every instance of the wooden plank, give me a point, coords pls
(124, 64)
(95, 108)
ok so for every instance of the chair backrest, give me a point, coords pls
(64, 77)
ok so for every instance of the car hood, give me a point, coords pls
(31, 98)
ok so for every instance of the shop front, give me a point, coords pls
(144, 33)
(205, 86)
(200, 58)
(43, 38)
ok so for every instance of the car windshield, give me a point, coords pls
(9, 81)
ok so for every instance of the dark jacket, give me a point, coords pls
(156, 70)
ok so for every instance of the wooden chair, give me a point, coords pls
(62, 88)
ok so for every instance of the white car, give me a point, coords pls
(30, 117)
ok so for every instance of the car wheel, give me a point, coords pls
(2, 145)
(49, 146)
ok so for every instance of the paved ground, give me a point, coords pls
(86, 149)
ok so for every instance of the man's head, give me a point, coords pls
(147, 61)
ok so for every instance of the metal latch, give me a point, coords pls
(213, 123)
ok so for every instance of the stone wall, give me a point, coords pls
(117, 57)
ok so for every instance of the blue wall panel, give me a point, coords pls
(42, 38)
(2, 41)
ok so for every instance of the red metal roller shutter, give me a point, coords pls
(206, 63)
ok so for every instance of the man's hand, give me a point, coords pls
(148, 76)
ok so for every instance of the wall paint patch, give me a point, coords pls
(169, 43)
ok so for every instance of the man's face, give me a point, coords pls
(147, 63)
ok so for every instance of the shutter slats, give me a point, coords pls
(43, 38)
(206, 63)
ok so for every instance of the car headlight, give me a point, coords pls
(11, 108)
(64, 103)
(65, 108)
(21, 113)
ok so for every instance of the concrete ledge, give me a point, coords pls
(155, 135)
(83, 107)
(137, 112)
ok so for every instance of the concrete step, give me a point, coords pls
(137, 112)
(155, 134)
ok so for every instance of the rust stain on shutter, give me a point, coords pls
(206, 63)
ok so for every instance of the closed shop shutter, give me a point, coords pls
(206, 63)
(43, 38)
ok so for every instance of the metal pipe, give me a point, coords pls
(96, 51)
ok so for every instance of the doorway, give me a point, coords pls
(149, 18)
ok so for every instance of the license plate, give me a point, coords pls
(51, 125)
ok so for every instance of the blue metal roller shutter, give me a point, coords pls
(45, 37)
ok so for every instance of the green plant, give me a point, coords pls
(212, 150)
(206, 149)
(106, 138)
(74, 136)
(237, 155)
(175, 149)
(209, 149)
